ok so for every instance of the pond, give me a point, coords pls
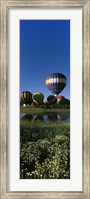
(46, 116)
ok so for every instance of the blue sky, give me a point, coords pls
(44, 49)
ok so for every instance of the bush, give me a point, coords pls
(46, 158)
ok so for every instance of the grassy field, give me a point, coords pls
(35, 110)
(44, 148)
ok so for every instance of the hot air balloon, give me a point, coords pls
(56, 82)
(38, 98)
(60, 98)
(26, 97)
(51, 99)
(35, 103)
(65, 103)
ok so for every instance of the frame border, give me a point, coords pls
(5, 5)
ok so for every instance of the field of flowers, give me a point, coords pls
(44, 150)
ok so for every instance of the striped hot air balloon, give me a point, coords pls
(26, 97)
(38, 98)
(56, 82)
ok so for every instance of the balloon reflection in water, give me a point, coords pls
(38, 117)
(28, 117)
(59, 117)
(45, 117)
(55, 117)
(52, 117)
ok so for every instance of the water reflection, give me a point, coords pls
(46, 117)
(27, 117)
(38, 117)
(21, 115)
(52, 117)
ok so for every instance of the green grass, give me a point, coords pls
(38, 131)
(31, 124)
(47, 110)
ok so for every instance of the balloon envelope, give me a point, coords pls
(38, 97)
(60, 98)
(35, 103)
(56, 82)
(65, 102)
(26, 97)
(51, 99)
